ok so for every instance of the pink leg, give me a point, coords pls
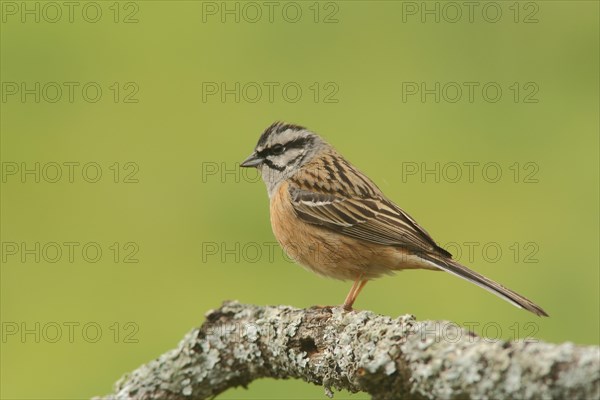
(359, 283)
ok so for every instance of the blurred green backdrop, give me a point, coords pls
(165, 98)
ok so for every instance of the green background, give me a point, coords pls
(176, 139)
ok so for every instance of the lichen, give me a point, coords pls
(359, 351)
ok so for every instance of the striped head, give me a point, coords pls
(281, 151)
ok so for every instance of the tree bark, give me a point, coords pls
(360, 351)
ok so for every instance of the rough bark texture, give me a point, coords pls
(360, 351)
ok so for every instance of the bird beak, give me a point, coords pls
(253, 161)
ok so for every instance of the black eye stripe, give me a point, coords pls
(277, 149)
(298, 143)
(294, 144)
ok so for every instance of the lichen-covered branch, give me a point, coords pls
(360, 351)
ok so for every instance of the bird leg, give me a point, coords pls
(359, 283)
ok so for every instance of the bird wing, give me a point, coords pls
(347, 202)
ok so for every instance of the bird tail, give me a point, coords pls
(463, 272)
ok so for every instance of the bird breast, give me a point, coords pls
(329, 253)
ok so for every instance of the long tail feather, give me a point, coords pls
(463, 272)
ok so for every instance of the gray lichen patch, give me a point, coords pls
(360, 351)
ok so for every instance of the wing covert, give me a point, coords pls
(374, 220)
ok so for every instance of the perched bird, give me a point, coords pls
(335, 221)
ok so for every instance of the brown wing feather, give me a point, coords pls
(346, 201)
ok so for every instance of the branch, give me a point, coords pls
(360, 351)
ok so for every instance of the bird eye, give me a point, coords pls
(277, 149)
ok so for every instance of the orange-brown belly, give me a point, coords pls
(333, 254)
